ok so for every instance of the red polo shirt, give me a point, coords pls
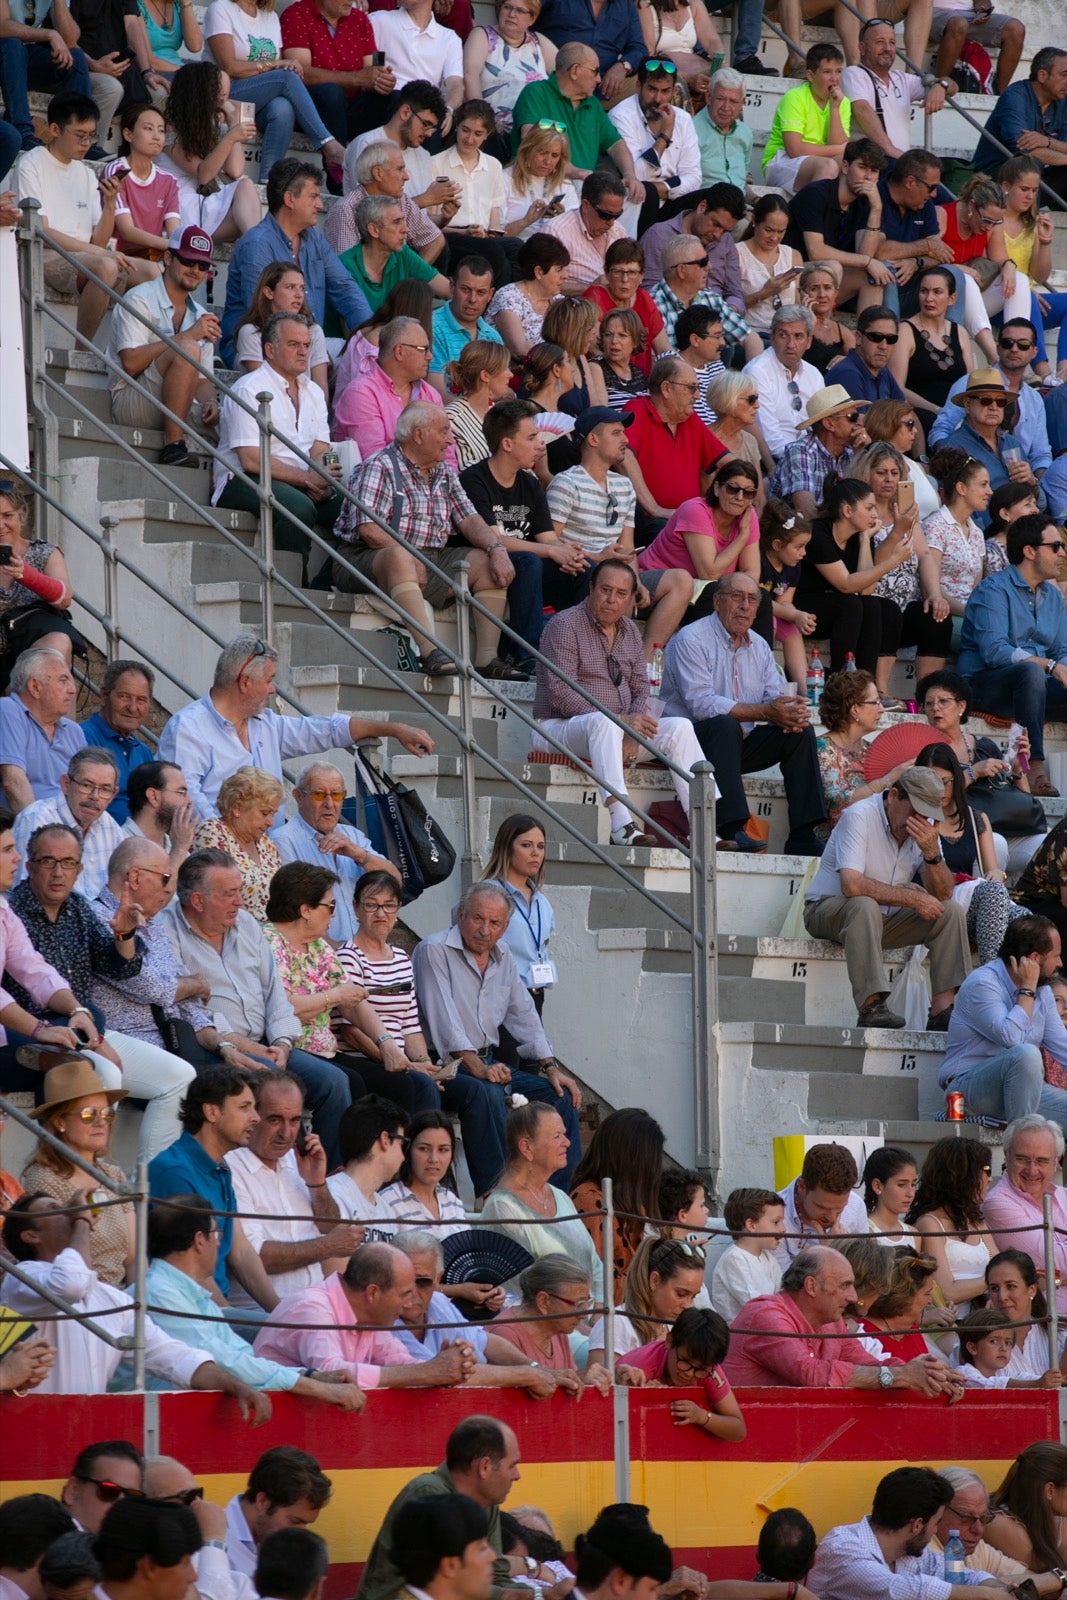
(341, 50)
(671, 462)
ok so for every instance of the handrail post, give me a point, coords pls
(45, 421)
(111, 587)
(705, 970)
(1050, 1284)
(607, 1264)
(266, 516)
(466, 725)
(140, 1271)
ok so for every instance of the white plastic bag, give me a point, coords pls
(910, 995)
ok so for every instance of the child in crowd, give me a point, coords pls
(784, 536)
(811, 125)
(986, 1344)
(148, 209)
(755, 1219)
(691, 1353)
(890, 1179)
(683, 1206)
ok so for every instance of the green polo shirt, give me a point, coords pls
(403, 263)
(381, 1578)
(589, 128)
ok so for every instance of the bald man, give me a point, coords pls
(167, 1479)
(318, 836)
(722, 675)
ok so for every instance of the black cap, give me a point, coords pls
(596, 416)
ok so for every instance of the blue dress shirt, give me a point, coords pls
(615, 34)
(129, 752)
(987, 1021)
(324, 278)
(168, 1287)
(1006, 621)
(297, 840)
(705, 676)
(441, 1309)
(1033, 422)
(1017, 111)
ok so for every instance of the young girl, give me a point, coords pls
(784, 536)
(683, 1205)
(1012, 1281)
(890, 1180)
(691, 1353)
(148, 210)
(281, 288)
(482, 198)
(987, 1342)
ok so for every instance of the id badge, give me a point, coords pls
(542, 974)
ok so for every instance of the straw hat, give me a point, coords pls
(828, 402)
(983, 380)
(74, 1079)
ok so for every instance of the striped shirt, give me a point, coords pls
(468, 435)
(413, 1214)
(670, 309)
(590, 515)
(398, 1013)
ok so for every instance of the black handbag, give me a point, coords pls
(419, 849)
(1012, 812)
(179, 1038)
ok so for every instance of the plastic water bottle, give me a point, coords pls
(654, 672)
(955, 1559)
(850, 663)
(816, 680)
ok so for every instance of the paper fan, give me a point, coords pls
(900, 743)
(478, 1255)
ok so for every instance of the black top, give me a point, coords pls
(932, 371)
(820, 355)
(102, 26)
(520, 512)
(823, 550)
(962, 853)
(78, 944)
(816, 209)
(776, 582)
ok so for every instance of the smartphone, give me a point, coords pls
(246, 114)
(6, 552)
(81, 1035)
(119, 172)
(377, 58)
(302, 1136)
(905, 498)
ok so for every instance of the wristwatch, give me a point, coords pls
(934, 861)
(531, 1566)
(885, 1378)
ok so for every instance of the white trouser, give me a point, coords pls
(1017, 304)
(148, 1073)
(593, 738)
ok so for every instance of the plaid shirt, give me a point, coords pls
(670, 309)
(805, 466)
(433, 501)
(577, 644)
(98, 844)
(339, 225)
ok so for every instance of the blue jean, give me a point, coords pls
(482, 1111)
(30, 66)
(748, 21)
(10, 145)
(526, 606)
(282, 103)
(326, 1095)
(1011, 1085)
(1023, 693)
(348, 115)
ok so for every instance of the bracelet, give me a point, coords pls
(791, 1592)
(707, 1419)
(1031, 994)
(121, 939)
(382, 1038)
(314, 1186)
(37, 1029)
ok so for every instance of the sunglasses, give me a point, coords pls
(558, 127)
(614, 670)
(109, 1492)
(744, 489)
(613, 511)
(260, 650)
(184, 1497)
(425, 1283)
(750, 399)
(89, 1115)
(882, 338)
(794, 389)
(607, 216)
(319, 795)
(990, 400)
(694, 261)
(655, 64)
(1016, 344)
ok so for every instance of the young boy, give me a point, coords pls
(683, 1202)
(755, 1219)
(811, 125)
(987, 1340)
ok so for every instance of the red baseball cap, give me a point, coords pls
(192, 245)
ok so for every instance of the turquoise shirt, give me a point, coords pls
(170, 1289)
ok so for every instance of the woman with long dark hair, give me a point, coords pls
(1030, 1505)
(205, 153)
(890, 1179)
(947, 1216)
(627, 1147)
(1011, 1279)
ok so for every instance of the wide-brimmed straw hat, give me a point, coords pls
(828, 402)
(74, 1079)
(983, 380)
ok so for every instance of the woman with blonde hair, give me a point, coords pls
(819, 285)
(665, 1278)
(894, 422)
(732, 398)
(480, 376)
(536, 185)
(248, 802)
(499, 62)
(575, 325)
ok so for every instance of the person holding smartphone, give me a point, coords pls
(769, 267)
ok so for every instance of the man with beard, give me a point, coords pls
(888, 1553)
(160, 809)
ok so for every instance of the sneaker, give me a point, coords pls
(876, 1014)
(753, 67)
(178, 454)
(631, 835)
(437, 664)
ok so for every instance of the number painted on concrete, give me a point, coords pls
(589, 798)
(907, 1063)
(763, 808)
(800, 969)
(497, 711)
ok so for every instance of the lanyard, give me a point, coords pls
(520, 905)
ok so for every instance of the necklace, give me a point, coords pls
(543, 1203)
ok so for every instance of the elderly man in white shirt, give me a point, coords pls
(887, 1556)
(273, 1179)
(303, 497)
(52, 1247)
(784, 381)
(662, 139)
(418, 48)
(232, 726)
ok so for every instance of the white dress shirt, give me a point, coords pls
(217, 1580)
(307, 426)
(779, 418)
(852, 1220)
(481, 191)
(433, 53)
(264, 1191)
(681, 159)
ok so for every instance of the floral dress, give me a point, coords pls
(214, 834)
(511, 298)
(962, 550)
(507, 71)
(902, 584)
(308, 969)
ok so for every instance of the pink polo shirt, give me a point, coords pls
(19, 958)
(370, 408)
(1006, 1209)
(759, 1357)
(329, 1343)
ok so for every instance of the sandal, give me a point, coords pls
(889, 704)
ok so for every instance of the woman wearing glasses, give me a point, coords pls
(973, 229)
(690, 1353)
(556, 1296)
(665, 1277)
(79, 1110)
(499, 62)
(894, 422)
(35, 589)
(624, 266)
(713, 536)
(331, 1007)
(536, 186)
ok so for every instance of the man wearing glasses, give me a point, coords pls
(967, 1514)
(318, 836)
(832, 431)
(114, 1465)
(88, 786)
(588, 233)
(172, 380)
(684, 284)
(1016, 349)
(990, 431)
(864, 372)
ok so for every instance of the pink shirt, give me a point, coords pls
(669, 549)
(148, 205)
(1006, 1209)
(651, 1359)
(761, 1358)
(586, 253)
(335, 1347)
(370, 408)
(19, 958)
